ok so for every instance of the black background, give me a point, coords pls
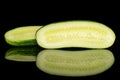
(28, 70)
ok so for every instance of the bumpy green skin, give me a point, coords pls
(74, 63)
(22, 54)
(14, 36)
(85, 34)
(22, 43)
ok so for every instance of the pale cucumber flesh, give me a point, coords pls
(86, 34)
(74, 63)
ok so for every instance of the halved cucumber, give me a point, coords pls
(87, 34)
(22, 54)
(74, 63)
(22, 36)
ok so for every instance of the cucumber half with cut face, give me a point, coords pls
(74, 63)
(22, 54)
(22, 36)
(86, 34)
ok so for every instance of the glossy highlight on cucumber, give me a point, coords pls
(85, 34)
(22, 36)
(22, 54)
(74, 63)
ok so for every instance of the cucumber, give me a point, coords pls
(22, 36)
(22, 54)
(85, 34)
(74, 63)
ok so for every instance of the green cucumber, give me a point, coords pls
(22, 36)
(74, 63)
(86, 34)
(22, 54)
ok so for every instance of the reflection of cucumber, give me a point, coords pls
(86, 34)
(22, 36)
(22, 54)
(74, 63)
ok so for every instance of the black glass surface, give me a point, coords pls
(27, 70)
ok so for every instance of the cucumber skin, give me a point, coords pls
(23, 43)
(30, 42)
